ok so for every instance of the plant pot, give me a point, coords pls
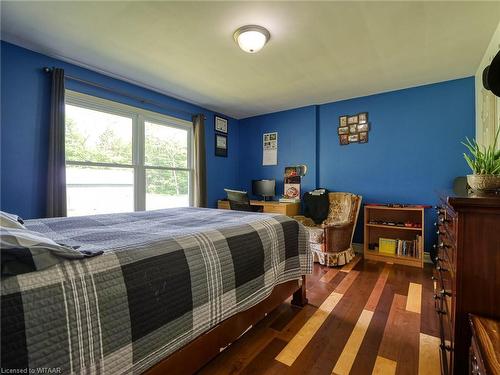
(484, 182)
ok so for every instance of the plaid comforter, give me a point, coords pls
(165, 277)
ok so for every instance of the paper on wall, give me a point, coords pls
(270, 149)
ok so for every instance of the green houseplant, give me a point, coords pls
(485, 165)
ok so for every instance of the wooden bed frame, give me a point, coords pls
(204, 348)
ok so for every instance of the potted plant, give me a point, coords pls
(485, 165)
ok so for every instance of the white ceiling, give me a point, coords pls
(319, 51)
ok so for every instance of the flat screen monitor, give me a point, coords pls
(264, 188)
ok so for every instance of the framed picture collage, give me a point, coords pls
(220, 127)
(353, 129)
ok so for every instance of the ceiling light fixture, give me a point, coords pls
(251, 38)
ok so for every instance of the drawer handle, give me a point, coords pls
(437, 296)
(441, 312)
(439, 233)
(442, 220)
(439, 210)
(445, 293)
(441, 245)
(445, 347)
(441, 269)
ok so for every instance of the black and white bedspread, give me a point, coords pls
(165, 277)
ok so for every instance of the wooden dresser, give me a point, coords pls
(467, 274)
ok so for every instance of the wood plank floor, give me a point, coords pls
(364, 318)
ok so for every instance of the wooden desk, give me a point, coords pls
(275, 207)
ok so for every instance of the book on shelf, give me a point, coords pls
(409, 248)
(406, 248)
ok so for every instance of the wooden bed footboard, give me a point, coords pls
(204, 348)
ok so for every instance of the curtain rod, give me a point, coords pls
(122, 93)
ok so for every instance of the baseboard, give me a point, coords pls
(427, 258)
(358, 248)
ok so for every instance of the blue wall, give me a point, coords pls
(413, 151)
(25, 90)
(296, 139)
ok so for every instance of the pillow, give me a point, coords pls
(23, 251)
(11, 221)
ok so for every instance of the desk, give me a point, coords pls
(275, 207)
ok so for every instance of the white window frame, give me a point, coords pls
(139, 117)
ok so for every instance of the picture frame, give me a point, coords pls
(362, 117)
(363, 137)
(352, 119)
(221, 145)
(342, 121)
(365, 127)
(343, 130)
(353, 129)
(344, 139)
(220, 124)
(353, 138)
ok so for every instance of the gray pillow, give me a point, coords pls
(23, 251)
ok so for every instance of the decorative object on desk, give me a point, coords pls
(220, 124)
(485, 165)
(353, 129)
(292, 180)
(270, 149)
(221, 145)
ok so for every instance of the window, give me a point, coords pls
(121, 158)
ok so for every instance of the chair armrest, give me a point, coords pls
(306, 221)
(338, 226)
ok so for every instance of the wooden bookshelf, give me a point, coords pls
(376, 219)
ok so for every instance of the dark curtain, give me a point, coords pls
(200, 168)
(56, 174)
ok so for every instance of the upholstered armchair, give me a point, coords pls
(331, 241)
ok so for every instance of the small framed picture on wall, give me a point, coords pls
(362, 117)
(343, 130)
(352, 119)
(344, 139)
(353, 129)
(363, 137)
(220, 124)
(363, 127)
(353, 138)
(221, 145)
(342, 121)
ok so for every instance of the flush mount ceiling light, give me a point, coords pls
(251, 38)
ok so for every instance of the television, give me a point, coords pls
(264, 188)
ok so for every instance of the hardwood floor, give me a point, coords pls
(364, 318)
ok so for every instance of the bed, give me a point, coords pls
(169, 283)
